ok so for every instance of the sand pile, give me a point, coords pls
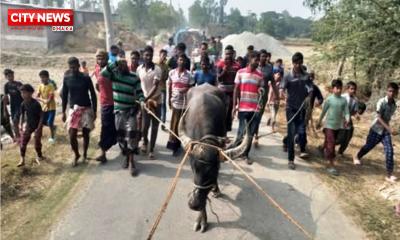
(259, 41)
(92, 36)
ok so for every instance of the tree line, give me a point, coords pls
(208, 13)
(151, 16)
(361, 35)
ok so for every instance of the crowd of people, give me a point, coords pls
(129, 93)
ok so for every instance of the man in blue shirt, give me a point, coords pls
(297, 86)
(113, 54)
(204, 75)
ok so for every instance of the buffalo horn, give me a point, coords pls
(239, 150)
(181, 131)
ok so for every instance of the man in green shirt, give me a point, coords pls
(126, 92)
(381, 131)
(337, 117)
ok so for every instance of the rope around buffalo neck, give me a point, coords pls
(248, 177)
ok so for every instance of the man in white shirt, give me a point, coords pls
(150, 76)
(170, 47)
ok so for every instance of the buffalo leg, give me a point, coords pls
(201, 222)
(216, 193)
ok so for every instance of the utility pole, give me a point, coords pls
(108, 23)
(222, 4)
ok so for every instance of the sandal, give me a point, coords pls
(291, 165)
(391, 179)
(356, 161)
(143, 149)
(21, 163)
(255, 142)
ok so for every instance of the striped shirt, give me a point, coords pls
(126, 88)
(181, 82)
(249, 82)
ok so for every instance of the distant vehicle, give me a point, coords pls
(190, 36)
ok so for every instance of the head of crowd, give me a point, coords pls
(134, 80)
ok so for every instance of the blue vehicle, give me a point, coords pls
(190, 36)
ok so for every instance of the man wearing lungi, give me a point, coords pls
(82, 108)
(126, 92)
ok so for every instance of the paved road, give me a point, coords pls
(113, 205)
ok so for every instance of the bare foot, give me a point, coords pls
(38, 159)
(75, 161)
(21, 163)
(255, 142)
(397, 210)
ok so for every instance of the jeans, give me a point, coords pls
(296, 127)
(372, 140)
(250, 118)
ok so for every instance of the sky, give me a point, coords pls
(294, 7)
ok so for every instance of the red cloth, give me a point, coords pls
(105, 88)
(76, 117)
(227, 81)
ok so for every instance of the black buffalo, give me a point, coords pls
(204, 121)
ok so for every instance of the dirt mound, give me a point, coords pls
(259, 41)
(92, 36)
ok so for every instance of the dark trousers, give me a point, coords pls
(250, 118)
(164, 106)
(343, 139)
(229, 100)
(173, 143)
(108, 133)
(330, 143)
(147, 120)
(261, 113)
(296, 127)
(372, 140)
(26, 136)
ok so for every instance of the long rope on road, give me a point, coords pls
(168, 198)
(248, 177)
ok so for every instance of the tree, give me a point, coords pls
(365, 31)
(222, 4)
(108, 23)
(235, 21)
(149, 16)
(197, 15)
(134, 13)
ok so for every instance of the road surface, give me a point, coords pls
(113, 205)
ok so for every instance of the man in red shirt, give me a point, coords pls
(226, 73)
(248, 89)
(104, 86)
